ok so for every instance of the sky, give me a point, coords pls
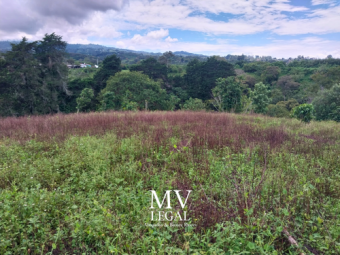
(277, 28)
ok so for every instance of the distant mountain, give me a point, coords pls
(184, 53)
(6, 45)
(93, 52)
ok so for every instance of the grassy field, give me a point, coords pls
(80, 183)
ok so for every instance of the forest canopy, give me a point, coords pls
(41, 77)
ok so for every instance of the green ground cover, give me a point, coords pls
(80, 183)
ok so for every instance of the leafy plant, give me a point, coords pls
(194, 104)
(260, 98)
(84, 99)
(304, 112)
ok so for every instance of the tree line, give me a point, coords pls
(34, 79)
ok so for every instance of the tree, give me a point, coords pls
(51, 52)
(260, 98)
(152, 68)
(250, 81)
(137, 87)
(287, 85)
(304, 112)
(327, 104)
(166, 58)
(200, 77)
(84, 100)
(108, 101)
(111, 65)
(289, 105)
(75, 87)
(270, 74)
(326, 76)
(194, 104)
(282, 108)
(277, 111)
(227, 94)
(21, 83)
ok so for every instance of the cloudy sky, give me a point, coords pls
(279, 28)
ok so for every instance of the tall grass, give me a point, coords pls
(80, 183)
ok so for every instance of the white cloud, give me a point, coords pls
(169, 39)
(309, 46)
(158, 34)
(320, 21)
(318, 2)
(153, 40)
(106, 22)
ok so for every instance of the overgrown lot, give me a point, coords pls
(80, 183)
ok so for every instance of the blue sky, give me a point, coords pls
(278, 28)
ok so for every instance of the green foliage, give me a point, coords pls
(152, 68)
(84, 99)
(227, 94)
(111, 65)
(270, 74)
(200, 77)
(304, 112)
(278, 111)
(194, 104)
(35, 77)
(91, 194)
(287, 85)
(21, 83)
(129, 106)
(166, 58)
(260, 98)
(173, 102)
(75, 87)
(327, 104)
(326, 76)
(289, 105)
(282, 108)
(108, 101)
(137, 87)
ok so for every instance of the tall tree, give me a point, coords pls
(260, 98)
(327, 104)
(51, 52)
(201, 76)
(166, 58)
(111, 65)
(270, 74)
(287, 85)
(21, 83)
(152, 68)
(135, 87)
(227, 94)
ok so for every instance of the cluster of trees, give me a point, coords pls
(34, 79)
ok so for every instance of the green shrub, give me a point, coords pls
(194, 104)
(304, 112)
(277, 111)
(327, 104)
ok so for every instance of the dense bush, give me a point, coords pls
(327, 104)
(304, 112)
(136, 87)
(277, 111)
(194, 104)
